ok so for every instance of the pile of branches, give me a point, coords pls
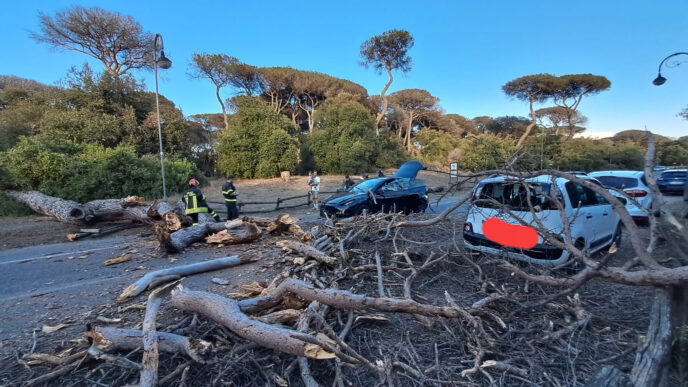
(395, 300)
(367, 301)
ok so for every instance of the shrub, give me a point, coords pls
(435, 146)
(344, 139)
(257, 142)
(485, 151)
(390, 151)
(590, 155)
(86, 172)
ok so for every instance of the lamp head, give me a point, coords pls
(163, 62)
(659, 80)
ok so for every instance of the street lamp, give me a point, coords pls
(164, 63)
(660, 81)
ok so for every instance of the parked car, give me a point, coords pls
(594, 225)
(633, 185)
(401, 192)
(672, 180)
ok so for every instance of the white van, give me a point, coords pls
(594, 225)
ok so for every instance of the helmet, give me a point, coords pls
(194, 182)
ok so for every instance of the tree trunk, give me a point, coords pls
(222, 105)
(408, 132)
(177, 241)
(382, 112)
(72, 212)
(530, 126)
(63, 210)
(652, 362)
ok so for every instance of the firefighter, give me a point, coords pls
(229, 192)
(195, 202)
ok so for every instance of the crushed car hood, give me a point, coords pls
(409, 170)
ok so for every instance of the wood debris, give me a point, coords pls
(122, 258)
(49, 329)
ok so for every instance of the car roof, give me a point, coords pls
(635, 174)
(537, 179)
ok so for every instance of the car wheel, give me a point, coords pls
(422, 206)
(575, 266)
(617, 235)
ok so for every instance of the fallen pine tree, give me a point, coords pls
(439, 316)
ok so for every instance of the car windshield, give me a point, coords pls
(366, 185)
(674, 174)
(618, 182)
(512, 195)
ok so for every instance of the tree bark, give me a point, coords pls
(652, 361)
(308, 251)
(66, 211)
(382, 112)
(350, 301)
(172, 273)
(177, 241)
(108, 339)
(222, 105)
(530, 126)
(69, 211)
(226, 312)
(408, 131)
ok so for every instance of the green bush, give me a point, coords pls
(485, 151)
(590, 155)
(344, 139)
(257, 143)
(390, 151)
(87, 172)
(435, 146)
(9, 207)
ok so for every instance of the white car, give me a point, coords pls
(634, 185)
(594, 225)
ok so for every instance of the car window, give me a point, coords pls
(673, 175)
(618, 182)
(392, 186)
(513, 195)
(580, 195)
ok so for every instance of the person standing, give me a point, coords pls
(230, 195)
(314, 183)
(195, 204)
(348, 182)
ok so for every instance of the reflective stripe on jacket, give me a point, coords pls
(194, 201)
(228, 191)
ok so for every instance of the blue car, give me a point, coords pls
(399, 193)
(672, 180)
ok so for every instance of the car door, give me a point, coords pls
(585, 213)
(606, 224)
(385, 196)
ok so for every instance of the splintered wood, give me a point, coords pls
(250, 234)
(122, 258)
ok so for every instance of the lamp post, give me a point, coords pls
(164, 63)
(660, 81)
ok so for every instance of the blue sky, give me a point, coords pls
(464, 51)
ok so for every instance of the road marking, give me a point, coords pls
(25, 260)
